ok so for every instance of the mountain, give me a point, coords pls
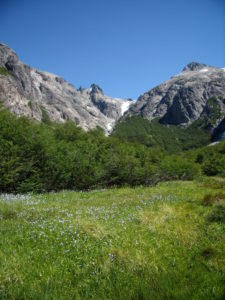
(45, 96)
(193, 99)
(185, 98)
(187, 111)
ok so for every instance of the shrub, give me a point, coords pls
(179, 169)
(214, 165)
(47, 156)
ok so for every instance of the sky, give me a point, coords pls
(124, 46)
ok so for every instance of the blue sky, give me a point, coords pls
(125, 46)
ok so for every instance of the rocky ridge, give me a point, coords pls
(33, 93)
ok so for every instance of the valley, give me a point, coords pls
(110, 198)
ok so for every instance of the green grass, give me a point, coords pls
(3, 71)
(161, 242)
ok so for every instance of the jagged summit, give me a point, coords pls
(96, 89)
(194, 66)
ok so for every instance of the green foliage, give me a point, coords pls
(43, 157)
(4, 71)
(30, 104)
(171, 138)
(211, 159)
(45, 117)
(40, 157)
(214, 166)
(139, 243)
(134, 129)
(179, 168)
(214, 110)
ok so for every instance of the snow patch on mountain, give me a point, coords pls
(126, 105)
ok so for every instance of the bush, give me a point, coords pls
(176, 168)
(214, 166)
(46, 156)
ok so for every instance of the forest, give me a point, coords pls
(45, 156)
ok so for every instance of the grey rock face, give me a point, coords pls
(182, 99)
(27, 91)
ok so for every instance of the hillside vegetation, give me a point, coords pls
(45, 156)
(171, 138)
(163, 242)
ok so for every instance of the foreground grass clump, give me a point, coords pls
(141, 243)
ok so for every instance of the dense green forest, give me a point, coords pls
(47, 156)
(171, 138)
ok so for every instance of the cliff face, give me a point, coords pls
(33, 93)
(184, 98)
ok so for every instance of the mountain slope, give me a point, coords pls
(45, 96)
(184, 98)
(184, 112)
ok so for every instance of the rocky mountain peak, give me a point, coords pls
(185, 97)
(96, 89)
(7, 56)
(194, 66)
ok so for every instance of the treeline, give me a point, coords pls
(42, 157)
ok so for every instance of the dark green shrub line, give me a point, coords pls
(46, 156)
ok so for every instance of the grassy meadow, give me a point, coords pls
(162, 242)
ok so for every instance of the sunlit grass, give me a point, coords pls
(141, 243)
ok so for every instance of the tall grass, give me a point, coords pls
(140, 243)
